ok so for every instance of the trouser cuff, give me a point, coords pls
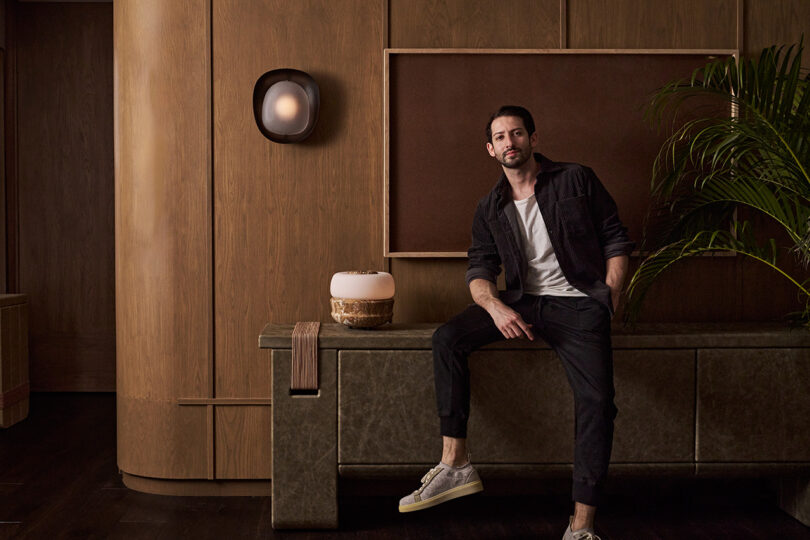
(453, 426)
(585, 493)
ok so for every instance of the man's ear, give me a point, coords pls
(533, 139)
(491, 149)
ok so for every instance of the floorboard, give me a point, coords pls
(59, 479)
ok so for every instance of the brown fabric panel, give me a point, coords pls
(588, 108)
(305, 356)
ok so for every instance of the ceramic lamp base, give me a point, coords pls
(362, 313)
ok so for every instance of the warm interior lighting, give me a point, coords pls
(285, 104)
(287, 107)
(284, 108)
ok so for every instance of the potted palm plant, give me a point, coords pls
(750, 149)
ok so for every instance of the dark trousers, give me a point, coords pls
(578, 329)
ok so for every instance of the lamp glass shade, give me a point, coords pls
(284, 109)
(285, 105)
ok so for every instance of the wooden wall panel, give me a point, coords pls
(775, 23)
(10, 188)
(163, 233)
(528, 24)
(3, 25)
(243, 442)
(3, 181)
(429, 290)
(288, 216)
(159, 439)
(765, 293)
(720, 288)
(65, 159)
(697, 290)
(641, 24)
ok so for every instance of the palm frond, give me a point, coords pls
(740, 239)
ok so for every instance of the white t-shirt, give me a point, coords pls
(544, 275)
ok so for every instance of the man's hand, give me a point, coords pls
(509, 321)
(616, 271)
(615, 295)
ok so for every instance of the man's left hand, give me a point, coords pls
(616, 270)
(615, 295)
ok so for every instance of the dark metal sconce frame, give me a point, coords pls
(313, 97)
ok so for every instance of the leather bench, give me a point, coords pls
(698, 399)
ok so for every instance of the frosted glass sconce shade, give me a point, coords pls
(285, 105)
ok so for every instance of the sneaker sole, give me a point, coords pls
(456, 492)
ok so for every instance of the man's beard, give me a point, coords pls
(516, 161)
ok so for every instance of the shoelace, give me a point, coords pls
(429, 476)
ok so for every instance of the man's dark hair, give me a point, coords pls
(512, 110)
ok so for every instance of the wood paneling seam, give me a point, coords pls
(740, 24)
(211, 423)
(184, 402)
(212, 387)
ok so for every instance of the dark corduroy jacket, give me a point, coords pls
(583, 227)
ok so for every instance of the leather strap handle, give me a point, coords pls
(305, 356)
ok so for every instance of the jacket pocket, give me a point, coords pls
(575, 215)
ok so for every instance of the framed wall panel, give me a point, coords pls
(588, 106)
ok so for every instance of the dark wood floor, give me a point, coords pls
(58, 479)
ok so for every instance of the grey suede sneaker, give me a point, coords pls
(579, 534)
(442, 483)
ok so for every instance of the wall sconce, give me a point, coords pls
(285, 105)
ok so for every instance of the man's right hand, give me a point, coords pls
(509, 321)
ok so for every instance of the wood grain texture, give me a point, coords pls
(163, 192)
(66, 192)
(429, 290)
(717, 289)
(288, 216)
(11, 188)
(160, 439)
(641, 24)
(699, 289)
(764, 293)
(14, 359)
(432, 197)
(769, 23)
(3, 179)
(199, 488)
(163, 235)
(13, 346)
(3, 11)
(459, 23)
(243, 442)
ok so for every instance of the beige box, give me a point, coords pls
(14, 381)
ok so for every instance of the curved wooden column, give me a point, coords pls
(163, 217)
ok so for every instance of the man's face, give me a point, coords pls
(511, 145)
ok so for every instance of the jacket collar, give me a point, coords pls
(503, 189)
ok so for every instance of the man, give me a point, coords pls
(557, 233)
